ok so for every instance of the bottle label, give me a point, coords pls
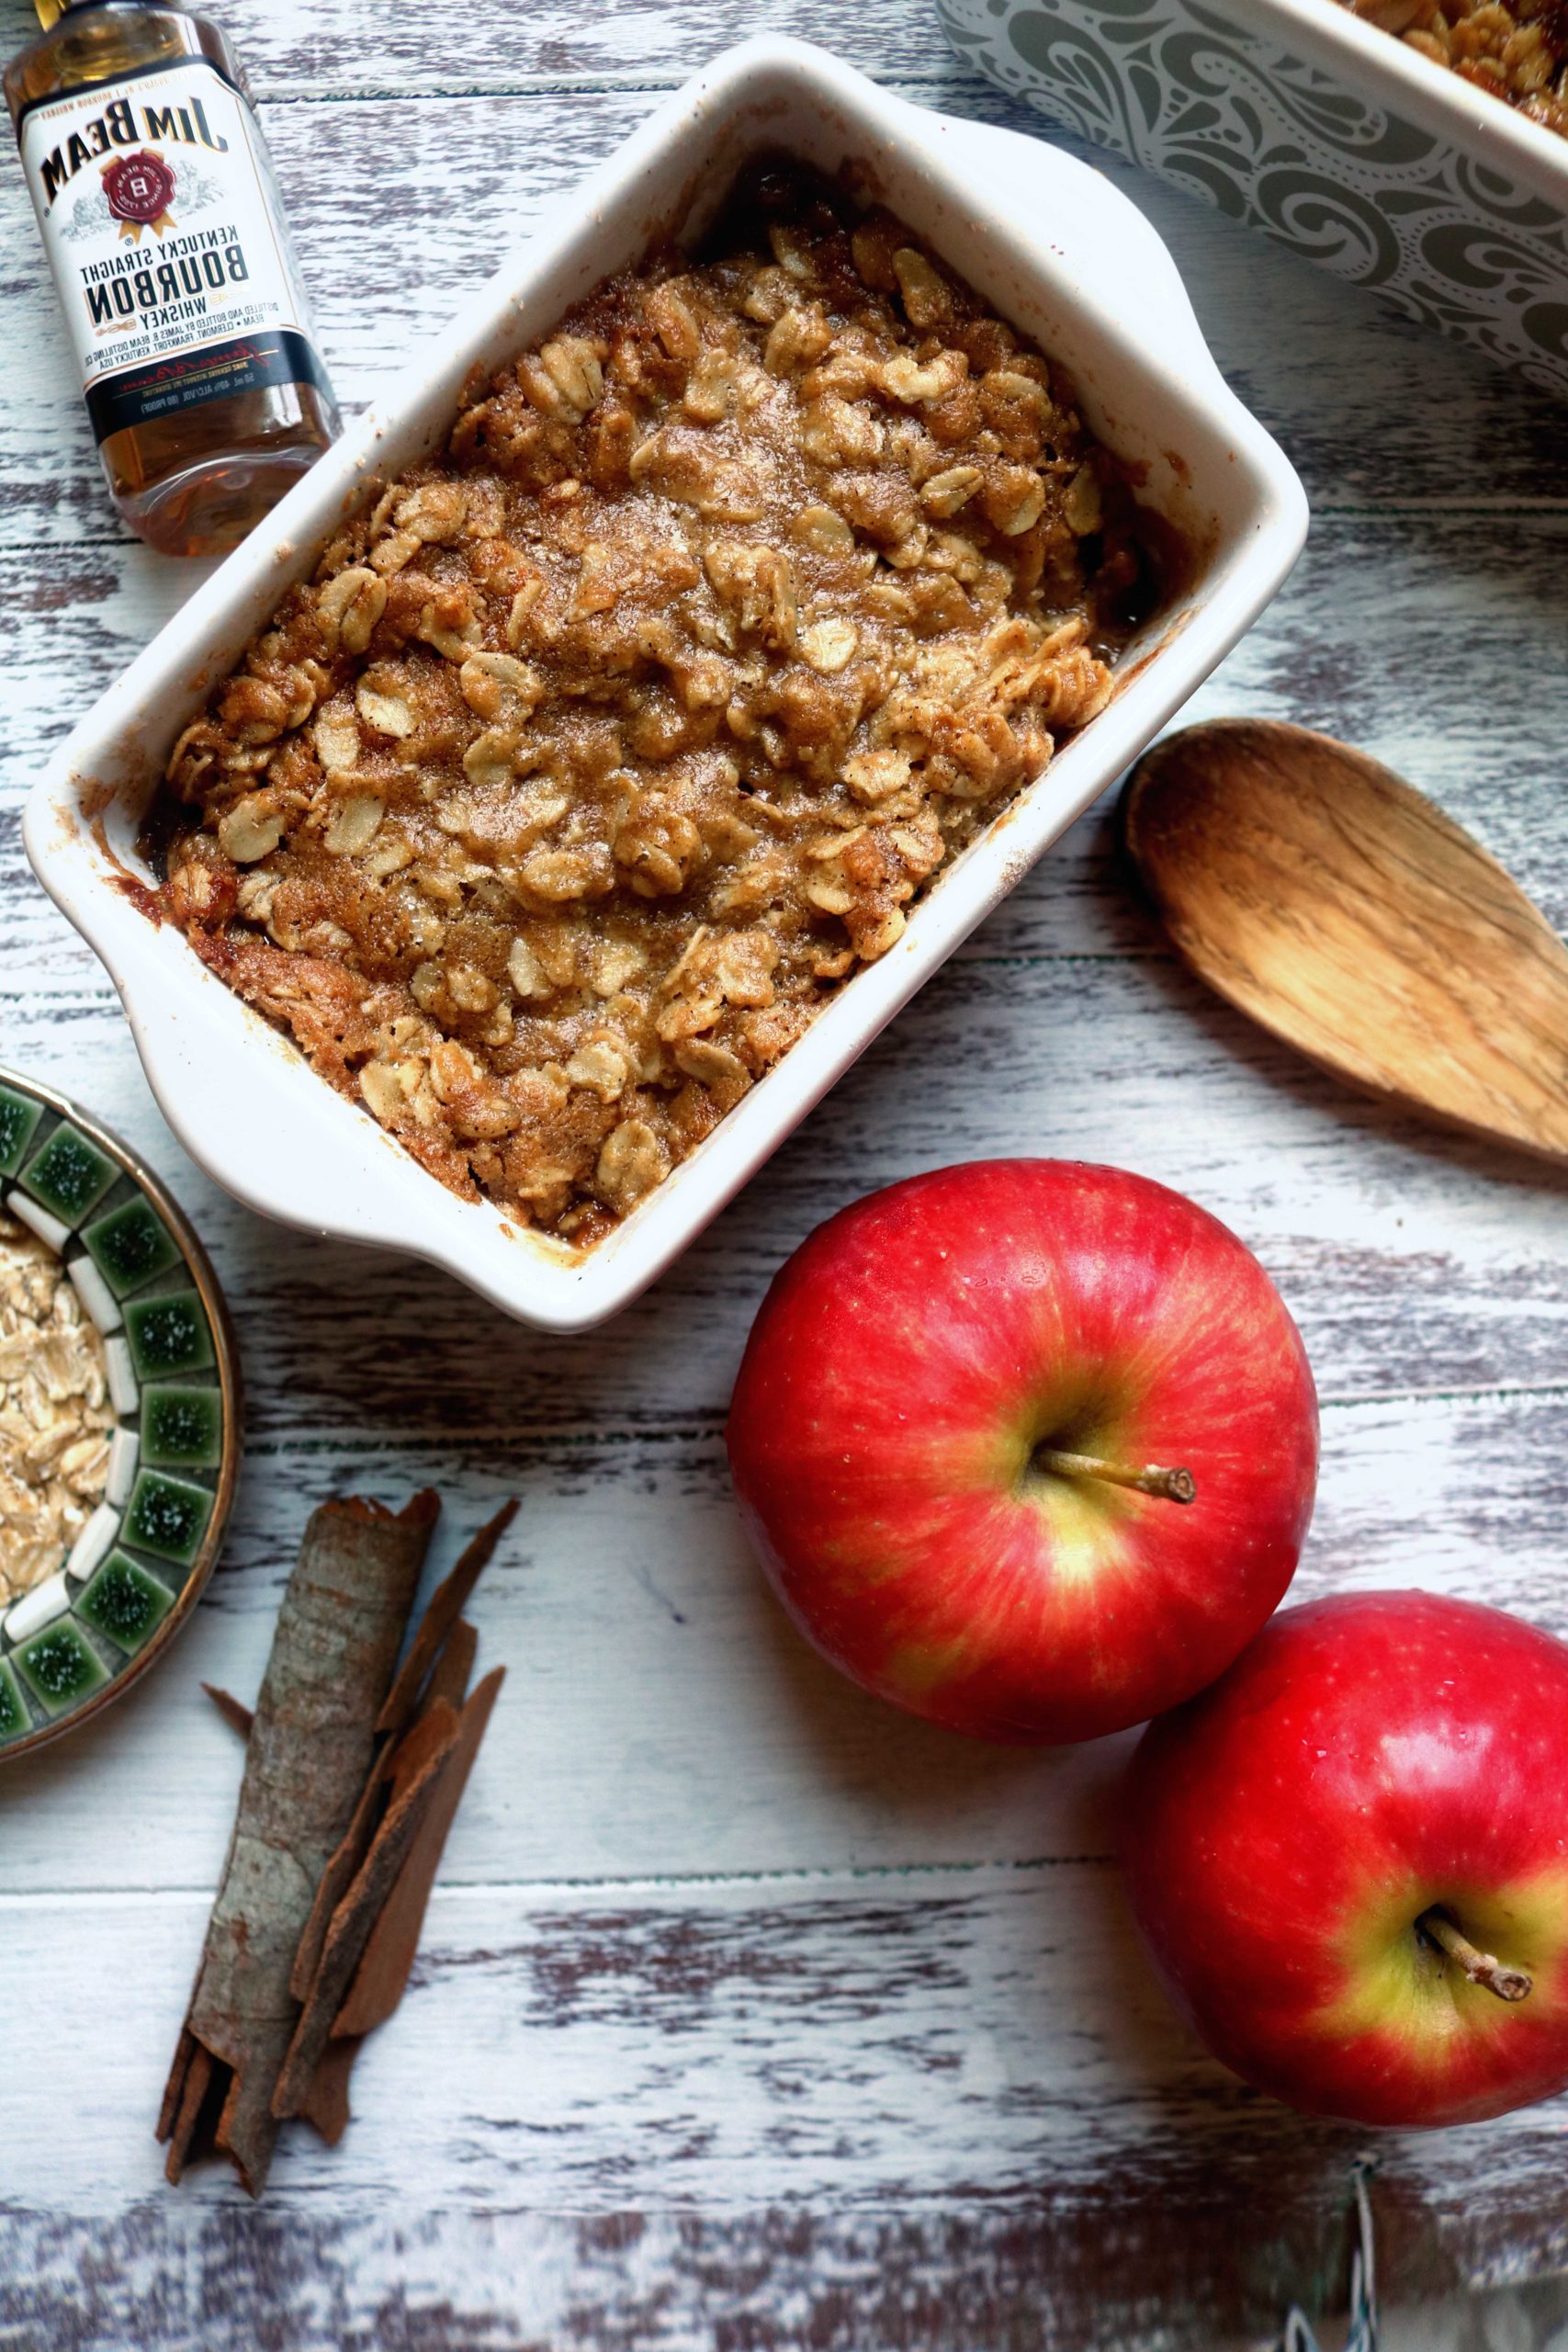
(160, 216)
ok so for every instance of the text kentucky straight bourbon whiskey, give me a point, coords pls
(161, 217)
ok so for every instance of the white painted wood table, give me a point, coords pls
(751, 2014)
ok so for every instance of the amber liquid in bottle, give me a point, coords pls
(207, 433)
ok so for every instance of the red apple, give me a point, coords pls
(943, 1398)
(1349, 1859)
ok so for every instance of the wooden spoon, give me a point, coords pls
(1326, 897)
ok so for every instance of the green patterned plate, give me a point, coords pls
(116, 1600)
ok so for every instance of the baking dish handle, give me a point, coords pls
(1095, 228)
(203, 1078)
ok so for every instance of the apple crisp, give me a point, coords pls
(600, 752)
(1519, 53)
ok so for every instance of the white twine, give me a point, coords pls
(1363, 2336)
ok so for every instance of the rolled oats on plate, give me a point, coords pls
(55, 1417)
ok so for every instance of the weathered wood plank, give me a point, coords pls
(694, 2057)
(1414, 1262)
(973, 2278)
(425, 194)
(661, 1717)
(353, 48)
(994, 2277)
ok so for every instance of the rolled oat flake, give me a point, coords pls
(158, 209)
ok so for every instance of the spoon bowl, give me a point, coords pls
(1331, 901)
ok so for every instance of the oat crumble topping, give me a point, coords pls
(598, 755)
(55, 1419)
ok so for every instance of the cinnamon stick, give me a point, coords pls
(449, 1675)
(447, 1606)
(356, 1916)
(427, 1662)
(381, 1978)
(234, 1711)
(337, 1878)
(311, 1752)
(326, 2105)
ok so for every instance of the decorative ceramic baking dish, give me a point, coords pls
(1297, 118)
(1056, 250)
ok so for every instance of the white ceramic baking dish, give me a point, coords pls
(1047, 241)
(1339, 140)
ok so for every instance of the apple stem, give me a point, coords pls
(1481, 1967)
(1176, 1485)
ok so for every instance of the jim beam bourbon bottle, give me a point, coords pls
(155, 196)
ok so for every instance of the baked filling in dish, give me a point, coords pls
(1519, 53)
(599, 755)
